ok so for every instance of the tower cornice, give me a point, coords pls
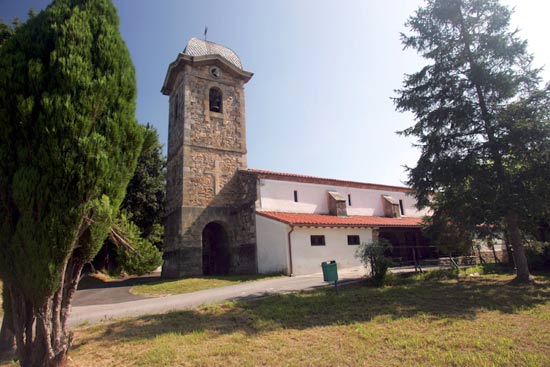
(178, 65)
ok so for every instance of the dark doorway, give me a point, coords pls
(408, 245)
(215, 250)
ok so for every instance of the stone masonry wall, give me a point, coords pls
(205, 151)
(238, 220)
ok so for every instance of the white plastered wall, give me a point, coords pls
(272, 245)
(278, 196)
(307, 259)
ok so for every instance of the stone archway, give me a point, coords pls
(215, 250)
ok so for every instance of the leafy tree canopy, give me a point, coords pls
(482, 119)
(140, 220)
(69, 142)
(146, 192)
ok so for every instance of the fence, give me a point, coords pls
(422, 256)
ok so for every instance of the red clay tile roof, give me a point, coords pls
(320, 180)
(322, 220)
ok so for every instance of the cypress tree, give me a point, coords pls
(69, 142)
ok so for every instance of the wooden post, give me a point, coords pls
(414, 258)
(416, 264)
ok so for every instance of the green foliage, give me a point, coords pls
(482, 120)
(146, 192)
(68, 140)
(372, 256)
(140, 257)
(6, 32)
(538, 255)
(143, 206)
(450, 238)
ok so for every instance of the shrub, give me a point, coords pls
(372, 255)
(137, 256)
(538, 255)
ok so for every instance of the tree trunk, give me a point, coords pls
(41, 331)
(520, 260)
(497, 260)
(481, 259)
(7, 333)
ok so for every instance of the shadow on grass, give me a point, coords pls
(356, 303)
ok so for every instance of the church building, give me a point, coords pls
(223, 217)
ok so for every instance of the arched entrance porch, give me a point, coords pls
(215, 250)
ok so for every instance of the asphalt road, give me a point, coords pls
(89, 306)
(92, 291)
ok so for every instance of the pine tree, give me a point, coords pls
(482, 121)
(69, 142)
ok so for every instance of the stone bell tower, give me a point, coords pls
(209, 224)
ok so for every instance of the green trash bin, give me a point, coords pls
(330, 271)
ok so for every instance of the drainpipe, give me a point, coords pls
(290, 249)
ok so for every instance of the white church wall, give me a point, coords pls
(307, 259)
(272, 245)
(278, 196)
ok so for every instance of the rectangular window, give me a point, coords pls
(295, 196)
(353, 240)
(401, 207)
(317, 240)
(349, 199)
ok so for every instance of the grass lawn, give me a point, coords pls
(471, 321)
(186, 285)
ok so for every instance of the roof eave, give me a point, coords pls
(280, 176)
(346, 225)
(183, 59)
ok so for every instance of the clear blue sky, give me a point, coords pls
(324, 71)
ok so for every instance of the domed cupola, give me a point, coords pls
(201, 52)
(198, 47)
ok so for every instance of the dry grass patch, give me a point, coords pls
(165, 287)
(468, 322)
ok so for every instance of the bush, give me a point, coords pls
(538, 255)
(372, 256)
(138, 256)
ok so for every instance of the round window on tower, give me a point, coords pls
(215, 72)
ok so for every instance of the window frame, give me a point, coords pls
(354, 236)
(319, 240)
(211, 97)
